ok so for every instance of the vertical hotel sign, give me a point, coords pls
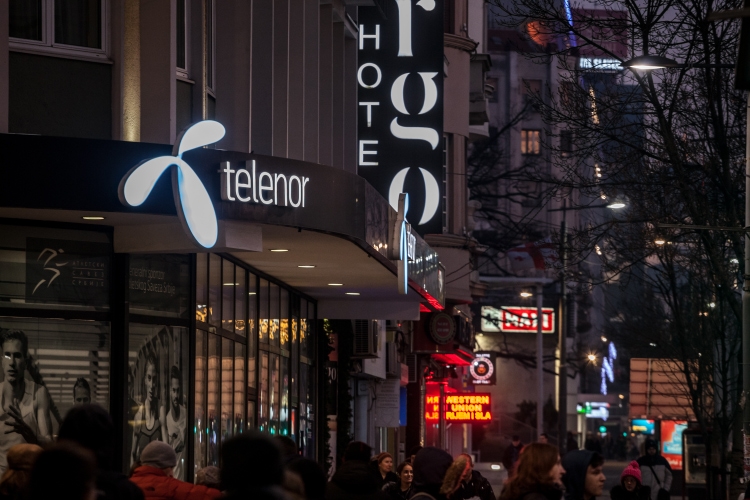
(400, 106)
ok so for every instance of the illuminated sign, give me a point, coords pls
(246, 185)
(599, 64)
(403, 243)
(482, 369)
(642, 425)
(516, 319)
(594, 410)
(400, 105)
(193, 204)
(459, 408)
(442, 328)
(671, 442)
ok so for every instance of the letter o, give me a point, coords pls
(299, 191)
(359, 75)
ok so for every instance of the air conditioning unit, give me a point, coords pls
(365, 338)
(392, 364)
(412, 362)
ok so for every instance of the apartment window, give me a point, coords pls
(532, 90)
(69, 28)
(566, 143)
(530, 142)
(182, 39)
(210, 44)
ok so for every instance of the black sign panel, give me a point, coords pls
(400, 108)
(67, 272)
(159, 284)
(482, 369)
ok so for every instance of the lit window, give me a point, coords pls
(594, 112)
(530, 142)
(72, 28)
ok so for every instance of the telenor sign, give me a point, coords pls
(460, 408)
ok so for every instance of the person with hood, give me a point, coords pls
(91, 427)
(511, 454)
(538, 475)
(354, 479)
(251, 467)
(430, 467)
(401, 490)
(630, 487)
(656, 472)
(156, 478)
(583, 479)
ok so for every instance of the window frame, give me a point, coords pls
(184, 73)
(48, 47)
(526, 142)
(211, 47)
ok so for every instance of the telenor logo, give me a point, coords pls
(193, 204)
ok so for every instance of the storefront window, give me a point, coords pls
(264, 330)
(201, 287)
(228, 286)
(274, 333)
(214, 289)
(263, 406)
(274, 397)
(200, 397)
(227, 388)
(159, 285)
(213, 401)
(251, 332)
(240, 302)
(239, 387)
(157, 383)
(54, 268)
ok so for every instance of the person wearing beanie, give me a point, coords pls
(630, 487)
(655, 471)
(154, 476)
(90, 426)
(430, 466)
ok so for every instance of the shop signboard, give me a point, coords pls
(671, 441)
(159, 283)
(482, 369)
(593, 409)
(516, 319)
(460, 408)
(643, 426)
(400, 106)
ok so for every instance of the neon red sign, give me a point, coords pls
(459, 408)
(516, 319)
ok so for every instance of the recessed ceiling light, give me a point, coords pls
(279, 250)
(352, 293)
(92, 217)
(335, 284)
(251, 293)
(306, 266)
(231, 284)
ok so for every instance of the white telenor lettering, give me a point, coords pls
(262, 187)
(363, 152)
(305, 180)
(292, 179)
(404, 28)
(362, 37)
(226, 190)
(278, 177)
(238, 184)
(377, 80)
(369, 106)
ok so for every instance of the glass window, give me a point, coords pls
(284, 396)
(181, 35)
(79, 23)
(201, 291)
(26, 19)
(251, 335)
(263, 331)
(530, 142)
(210, 44)
(306, 415)
(159, 285)
(213, 401)
(251, 415)
(273, 324)
(54, 268)
(200, 398)
(239, 387)
(214, 289)
(240, 302)
(263, 402)
(227, 292)
(284, 332)
(157, 383)
(227, 388)
(274, 396)
(303, 337)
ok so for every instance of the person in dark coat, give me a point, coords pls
(584, 479)
(91, 427)
(474, 484)
(630, 487)
(65, 471)
(313, 477)
(655, 470)
(401, 490)
(538, 475)
(430, 466)
(511, 454)
(251, 467)
(382, 465)
(354, 479)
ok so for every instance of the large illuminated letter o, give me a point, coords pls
(377, 81)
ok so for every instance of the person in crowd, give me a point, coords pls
(15, 480)
(209, 477)
(313, 477)
(81, 392)
(401, 490)
(538, 475)
(630, 487)
(430, 466)
(293, 485)
(25, 404)
(177, 420)
(149, 422)
(289, 449)
(655, 471)
(91, 427)
(384, 468)
(413, 453)
(511, 453)
(584, 478)
(459, 470)
(543, 438)
(354, 479)
(593, 443)
(64, 471)
(251, 467)
(572, 442)
(474, 484)
(156, 478)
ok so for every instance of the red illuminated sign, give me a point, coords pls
(460, 408)
(516, 319)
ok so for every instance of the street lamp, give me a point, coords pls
(525, 295)
(616, 205)
(648, 63)
(592, 357)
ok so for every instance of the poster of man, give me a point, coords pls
(81, 392)
(157, 381)
(25, 404)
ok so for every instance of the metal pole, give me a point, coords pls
(539, 363)
(746, 294)
(441, 425)
(562, 378)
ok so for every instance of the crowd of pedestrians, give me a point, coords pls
(79, 466)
